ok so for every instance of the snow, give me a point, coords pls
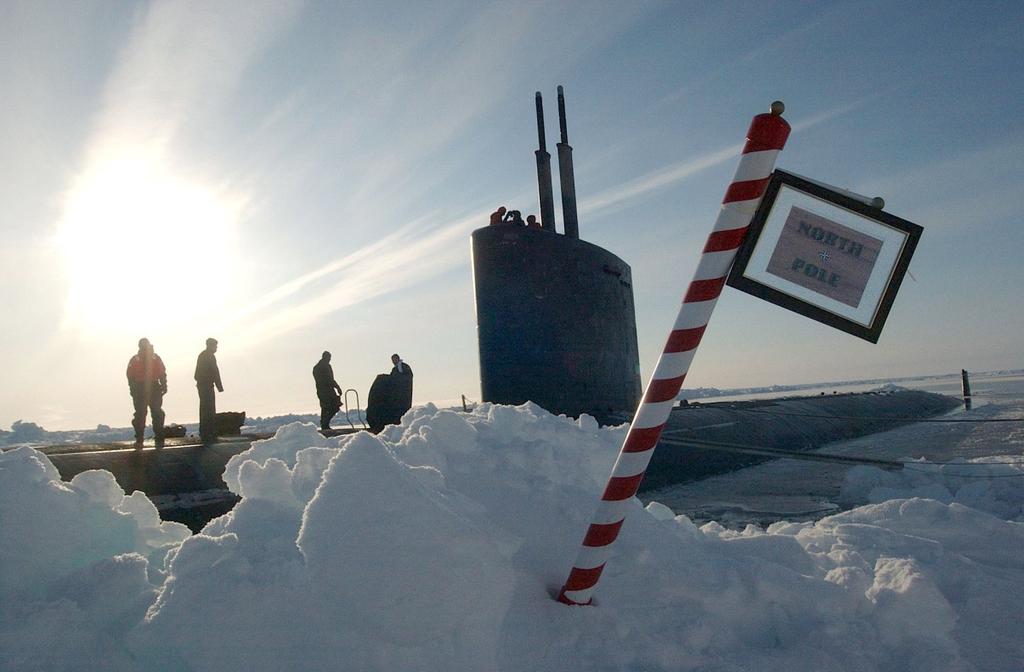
(438, 545)
(29, 433)
(990, 484)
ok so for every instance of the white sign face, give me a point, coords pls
(824, 256)
(820, 253)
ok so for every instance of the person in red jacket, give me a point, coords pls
(147, 383)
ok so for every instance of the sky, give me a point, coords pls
(293, 177)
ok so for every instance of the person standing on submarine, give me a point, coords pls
(401, 373)
(327, 390)
(147, 383)
(207, 377)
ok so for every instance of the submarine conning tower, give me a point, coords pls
(556, 324)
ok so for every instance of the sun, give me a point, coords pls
(143, 246)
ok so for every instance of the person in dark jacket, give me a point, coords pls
(207, 377)
(401, 375)
(399, 367)
(390, 396)
(327, 390)
(147, 383)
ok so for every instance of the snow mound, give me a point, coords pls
(439, 544)
(992, 484)
(890, 387)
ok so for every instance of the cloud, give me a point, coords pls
(181, 59)
(415, 253)
(467, 63)
(677, 172)
(657, 179)
(357, 111)
(398, 261)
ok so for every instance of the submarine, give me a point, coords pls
(557, 327)
(556, 322)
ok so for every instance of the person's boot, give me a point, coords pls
(158, 441)
(138, 443)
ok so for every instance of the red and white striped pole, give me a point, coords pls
(765, 139)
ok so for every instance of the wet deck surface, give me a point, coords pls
(183, 479)
(182, 465)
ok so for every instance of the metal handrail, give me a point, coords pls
(359, 415)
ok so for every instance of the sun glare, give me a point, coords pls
(143, 247)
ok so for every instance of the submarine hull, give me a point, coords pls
(556, 323)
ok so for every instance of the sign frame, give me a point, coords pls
(750, 272)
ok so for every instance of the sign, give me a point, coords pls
(819, 252)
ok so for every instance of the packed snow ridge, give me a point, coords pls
(438, 545)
